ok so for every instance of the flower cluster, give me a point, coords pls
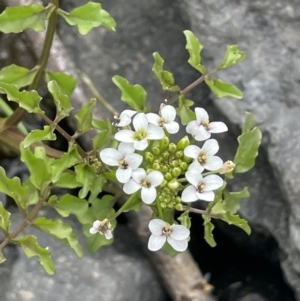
(146, 160)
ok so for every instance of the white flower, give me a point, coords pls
(147, 184)
(201, 188)
(175, 235)
(166, 119)
(201, 128)
(103, 227)
(143, 132)
(124, 157)
(204, 157)
(125, 117)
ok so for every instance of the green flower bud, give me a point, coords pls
(174, 163)
(164, 142)
(163, 205)
(179, 154)
(179, 207)
(168, 176)
(183, 166)
(183, 143)
(170, 205)
(173, 184)
(187, 159)
(149, 157)
(176, 172)
(166, 190)
(172, 147)
(165, 168)
(166, 155)
(156, 150)
(156, 166)
(178, 199)
(164, 183)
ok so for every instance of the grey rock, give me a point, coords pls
(116, 272)
(269, 77)
(252, 297)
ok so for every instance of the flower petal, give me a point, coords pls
(156, 242)
(108, 234)
(179, 232)
(125, 120)
(111, 156)
(217, 127)
(129, 113)
(168, 113)
(125, 136)
(140, 144)
(156, 226)
(154, 132)
(210, 147)
(126, 148)
(208, 196)
(139, 174)
(148, 195)
(172, 127)
(212, 182)
(131, 186)
(192, 127)
(93, 230)
(189, 194)
(201, 115)
(193, 175)
(140, 121)
(213, 163)
(192, 151)
(96, 224)
(155, 178)
(134, 160)
(178, 245)
(201, 134)
(123, 175)
(153, 118)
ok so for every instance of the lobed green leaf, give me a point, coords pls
(61, 231)
(88, 16)
(237, 221)
(194, 48)
(68, 180)
(96, 187)
(249, 123)
(39, 135)
(133, 95)
(17, 75)
(16, 19)
(208, 228)
(31, 248)
(222, 89)
(4, 218)
(66, 83)
(232, 56)
(85, 116)
(232, 199)
(135, 205)
(85, 175)
(183, 111)
(105, 135)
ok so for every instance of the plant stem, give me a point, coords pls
(129, 200)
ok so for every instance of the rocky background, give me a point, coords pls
(241, 268)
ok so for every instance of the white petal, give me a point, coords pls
(193, 175)
(192, 151)
(196, 166)
(212, 182)
(155, 178)
(210, 147)
(168, 113)
(140, 122)
(153, 118)
(156, 242)
(148, 195)
(108, 234)
(156, 226)
(192, 127)
(208, 196)
(217, 127)
(213, 163)
(126, 148)
(172, 127)
(189, 194)
(96, 224)
(140, 145)
(201, 134)
(178, 245)
(125, 120)
(93, 230)
(134, 160)
(123, 175)
(139, 175)
(129, 113)
(201, 115)
(179, 232)
(154, 132)
(131, 186)
(111, 156)
(125, 136)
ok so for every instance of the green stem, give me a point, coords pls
(129, 200)
(159, 209)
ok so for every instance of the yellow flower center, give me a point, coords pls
(202, 158)
(167, 230)
(123, 164)
(200, 187)
(140, 135)
(146, 184)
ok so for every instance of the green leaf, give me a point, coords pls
(66, 83)
(69, 204)
(62, 101)
(219, 209)
(166, 78)
(4, 218)
(61, 231)
(67, 160)
(96, 186)
(232, 56)
(85, 175)
(39, 135)
(104, 137)
(68, 180)
(249, 123)
(31, 248)
(232, 199)
(237, 221)
(208, 228)
(16, 19)
(184, 112)
(28, 100)
(185, 220)
(223, 89)
(135, 205)
(87, 17)
(133, 95)
(194, 48)
(85, 116)
(2, 258)
(247, 151)
(39, 166)
(17, 75)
